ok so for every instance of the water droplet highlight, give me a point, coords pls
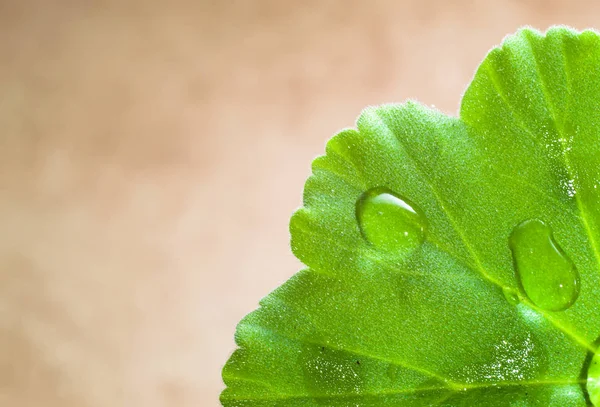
(511, 296)
(390, 222)
(546, 273)
(593, 380)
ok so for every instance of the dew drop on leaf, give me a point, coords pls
(546, 273)
(390, 222)
(511, 296)
(593, 380)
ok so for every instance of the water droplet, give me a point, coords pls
(511, 296)
(389, 222)
(331, 372)
(547, 274)
(593, 380)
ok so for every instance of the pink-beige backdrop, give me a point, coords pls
(151, 154)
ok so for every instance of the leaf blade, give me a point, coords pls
(338, 331)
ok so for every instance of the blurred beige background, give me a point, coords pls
(151, 154)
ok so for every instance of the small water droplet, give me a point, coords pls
(390, 222)
(593, 380)
(546, 273)
(511, 296)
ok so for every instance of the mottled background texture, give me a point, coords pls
(152, 152)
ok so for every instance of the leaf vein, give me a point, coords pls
(478, 265)
(355, 352)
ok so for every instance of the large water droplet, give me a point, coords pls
(389, 222)
(593, 380)
(547, 274)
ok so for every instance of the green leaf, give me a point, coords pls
(451, 261)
